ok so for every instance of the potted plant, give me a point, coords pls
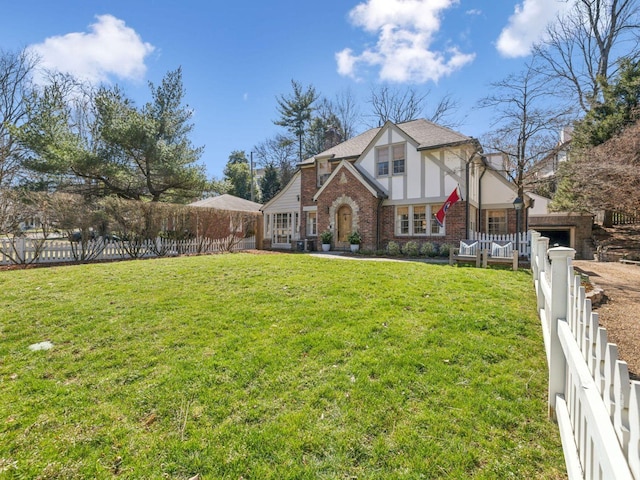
(325, 238)
(355, 239)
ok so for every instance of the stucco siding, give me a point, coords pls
(496, 192)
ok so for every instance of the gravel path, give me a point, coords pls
(620, 315)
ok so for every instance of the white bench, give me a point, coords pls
(468, 252)
(501, 252)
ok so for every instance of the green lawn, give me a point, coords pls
(273, 367)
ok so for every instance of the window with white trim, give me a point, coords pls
(436, 228)
(496, 222)
(382, 161)
(417, 220)
(312, 224)
(390, 159)
(282, 228)
(402, 220)
(398, 159)
(420, 220)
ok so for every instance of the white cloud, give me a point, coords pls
(403, 53)
(527, 26)
(474, 11)
(109, 49)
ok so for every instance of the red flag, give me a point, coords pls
(453, 198)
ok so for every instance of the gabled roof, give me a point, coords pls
(426, 135)
(282, 192)
(228, 202)
(375, 190)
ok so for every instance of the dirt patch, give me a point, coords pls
(620, 314)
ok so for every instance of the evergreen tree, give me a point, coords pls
(269, 183)
(237, 173)
(618, 109)
(295, 111)
(109, 146)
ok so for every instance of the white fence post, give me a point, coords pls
(534, 246)
(559, 290)
(541, 264)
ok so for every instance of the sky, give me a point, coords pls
(238, 56)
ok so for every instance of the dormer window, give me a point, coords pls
(323, 171)
(390, 154)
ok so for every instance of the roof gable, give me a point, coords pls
(422, 133)
(282, 192)
(344, 164)
(383, 130)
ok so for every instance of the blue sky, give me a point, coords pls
(238, 56)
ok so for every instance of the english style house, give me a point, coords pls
(387, 183)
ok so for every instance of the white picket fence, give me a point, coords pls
(33, 251)
(523, 240)
(591, 397)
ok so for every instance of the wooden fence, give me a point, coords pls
(14, 251)
(523, 240)
(624, 218)
(596, 406)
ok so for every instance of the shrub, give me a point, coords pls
(411, 249)
(393, 248)
(355, 238)
(444, 249)
(429, 249)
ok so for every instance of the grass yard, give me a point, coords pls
(273, 367)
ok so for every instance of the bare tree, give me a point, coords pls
(15, 87)
(279, 151)
(583, 46)
(19, 209)
(346, 110)
(399, 106)
(389, 104)
(442, 114)
(525, 127)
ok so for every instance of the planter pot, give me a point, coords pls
(326, 247)
(355, 247)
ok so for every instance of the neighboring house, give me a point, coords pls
(545, 170)
(566, 229)
(228, 202)
(387, 183)
(244, 216)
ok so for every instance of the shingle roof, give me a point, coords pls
(427, 134)
(228, 202)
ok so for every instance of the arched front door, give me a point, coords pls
(344, 223)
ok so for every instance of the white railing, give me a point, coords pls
(523, 240)
(591, 397)
(36, 251)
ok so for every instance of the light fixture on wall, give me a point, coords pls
(298, 197)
